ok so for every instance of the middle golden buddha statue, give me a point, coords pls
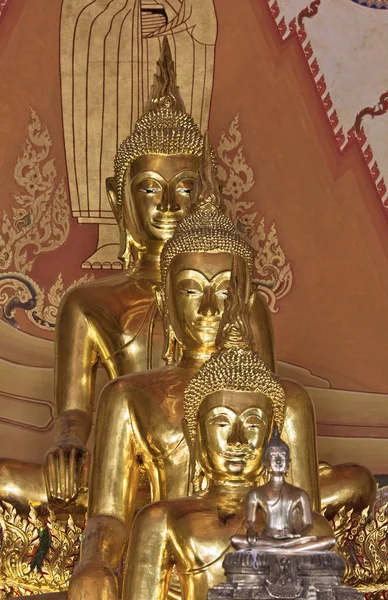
(231, 406)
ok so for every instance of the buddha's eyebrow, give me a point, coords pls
(221, 414)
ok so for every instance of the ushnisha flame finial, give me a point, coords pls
(235, 330)
(206, 193)
(275, 442)
(165, 92)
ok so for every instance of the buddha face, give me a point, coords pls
(277, 460)
(159, 193)
(233, 427)
(197, 285)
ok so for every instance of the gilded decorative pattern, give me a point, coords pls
(28, 568)
(38, 222)
(362, 541)
(273, 274)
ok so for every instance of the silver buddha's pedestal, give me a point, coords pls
(257, 575)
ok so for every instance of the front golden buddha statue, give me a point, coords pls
(139, 416)
(231, 405)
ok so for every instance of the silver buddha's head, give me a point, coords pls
(276, 454)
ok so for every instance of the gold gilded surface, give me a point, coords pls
(232, 425)
(139, 418)
(362, 541)
(345, 487)
(108, 50)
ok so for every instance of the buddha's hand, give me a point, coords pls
(93, 580)
(66, 471)
(252, 536)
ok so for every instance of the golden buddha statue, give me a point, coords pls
(139, 416)
(230, 405)
(114, 321)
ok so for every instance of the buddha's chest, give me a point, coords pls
(280, 515)
(130, 338)
(207, 538)
(158, 418)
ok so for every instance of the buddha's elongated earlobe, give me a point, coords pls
(128, 247)
(196, 474)
(170, 342)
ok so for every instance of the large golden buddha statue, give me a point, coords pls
(231, 406)
(114, 322)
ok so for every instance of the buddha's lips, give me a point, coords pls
(208, 325)
(166, 222)
(237, 456)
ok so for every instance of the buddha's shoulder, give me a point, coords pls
(115, 289)
(293, 389)
(296, 394)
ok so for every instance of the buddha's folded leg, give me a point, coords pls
(240, 542)
(22, 484)
(349, 485)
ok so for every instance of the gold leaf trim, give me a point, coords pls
(361, 539)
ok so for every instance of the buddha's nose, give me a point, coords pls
(209, 306)
(169, 201)
(236, 436)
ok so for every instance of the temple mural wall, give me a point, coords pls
(298, 116)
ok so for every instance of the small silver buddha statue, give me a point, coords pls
(287, 510)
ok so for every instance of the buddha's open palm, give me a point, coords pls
(66, 471)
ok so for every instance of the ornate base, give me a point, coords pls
(255, 575)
